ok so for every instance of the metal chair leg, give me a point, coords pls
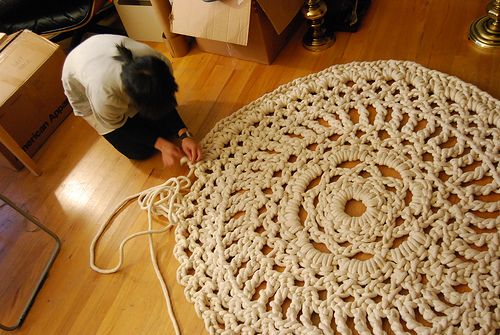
(47, 267)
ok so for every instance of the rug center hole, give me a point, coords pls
(355, 207)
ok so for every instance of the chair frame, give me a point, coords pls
(45, 272)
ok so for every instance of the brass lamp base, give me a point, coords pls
(485, 31)
(312, 43)
(317, 37)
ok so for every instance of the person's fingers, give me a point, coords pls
(200, 154)
(196, 157)
(189, 154)
(197, 154)
(192, 150)
(187, 151)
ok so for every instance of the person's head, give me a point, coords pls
(148, 82)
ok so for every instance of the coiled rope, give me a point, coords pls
(165, 199)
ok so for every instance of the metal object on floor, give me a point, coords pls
(317, 37)
(47, 266)
(485, 31)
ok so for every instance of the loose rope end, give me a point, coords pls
(165, 200)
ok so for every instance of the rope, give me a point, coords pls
(165, 199)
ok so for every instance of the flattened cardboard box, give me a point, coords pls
(254, 30)
(32, 100)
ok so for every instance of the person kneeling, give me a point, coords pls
(126, 91)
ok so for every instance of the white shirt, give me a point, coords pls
(92, 83)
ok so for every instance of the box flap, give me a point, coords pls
(226, 21)
(19, 59)
(280, 12)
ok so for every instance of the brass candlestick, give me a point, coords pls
(485, 31)
(317, 37)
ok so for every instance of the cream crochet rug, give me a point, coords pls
(268, 244)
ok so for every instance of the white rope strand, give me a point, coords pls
(165, 199)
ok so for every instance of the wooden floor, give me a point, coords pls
(84, 178)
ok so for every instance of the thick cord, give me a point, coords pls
(164, 199)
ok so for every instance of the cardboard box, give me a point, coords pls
(255, 30)
(139, 19)
(32, 100)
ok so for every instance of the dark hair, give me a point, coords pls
(148, 82)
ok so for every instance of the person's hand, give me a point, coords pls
(192, 149)
(170, 153)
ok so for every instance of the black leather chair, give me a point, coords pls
(59, 18)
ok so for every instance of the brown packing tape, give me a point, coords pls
(177, 46)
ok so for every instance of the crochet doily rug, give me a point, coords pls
(270, 243)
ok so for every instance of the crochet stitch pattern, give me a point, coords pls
(266, 244)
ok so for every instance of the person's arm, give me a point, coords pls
(138, 131)
(175, 123)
